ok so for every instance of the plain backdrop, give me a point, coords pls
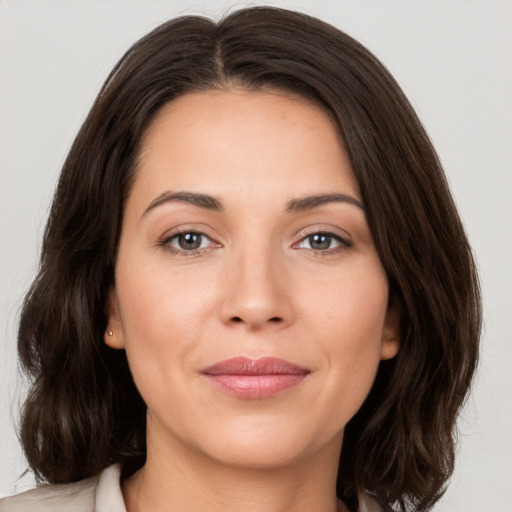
(454, 62)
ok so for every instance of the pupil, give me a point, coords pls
(320, 241)
(189, 241)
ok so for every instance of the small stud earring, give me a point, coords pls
(110, 332)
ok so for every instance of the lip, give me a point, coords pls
(254, 378)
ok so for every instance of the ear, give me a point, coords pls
(391, 331)
(113, 335)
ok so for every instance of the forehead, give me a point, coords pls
(245, 142)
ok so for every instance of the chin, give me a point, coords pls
(264, 444)
(258, 456)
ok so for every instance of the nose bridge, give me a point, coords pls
(255, 293)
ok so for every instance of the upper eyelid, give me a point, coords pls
(327, 230)
(170, 236)
(340, 234)
(341, 240)
(188, 228)
(165, 243)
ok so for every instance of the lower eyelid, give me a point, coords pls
(343, 242)
(169, 243)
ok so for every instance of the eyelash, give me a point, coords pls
(166, 241)
(343, 243)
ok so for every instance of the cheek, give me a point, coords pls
(350, 320)
(162, 317)
(157, 299)
(349, 310)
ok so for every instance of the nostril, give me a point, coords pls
(239, 320)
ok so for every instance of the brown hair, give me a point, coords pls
(83, 411)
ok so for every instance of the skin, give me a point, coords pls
(258, 286)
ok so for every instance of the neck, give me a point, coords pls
(177, 479)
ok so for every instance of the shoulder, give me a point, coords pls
(84, 496)
(368, 504)
(77, 496)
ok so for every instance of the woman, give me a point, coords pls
(255, 291)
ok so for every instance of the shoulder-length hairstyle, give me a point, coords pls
(83, 411)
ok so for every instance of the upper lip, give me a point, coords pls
(262, 366)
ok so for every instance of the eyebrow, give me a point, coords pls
(309, 202)
(212, 203)
(202, 200)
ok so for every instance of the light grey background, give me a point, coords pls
(454, 61)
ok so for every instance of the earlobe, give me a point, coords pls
(391, 332)
(113, 335)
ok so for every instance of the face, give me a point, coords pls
(248, 294)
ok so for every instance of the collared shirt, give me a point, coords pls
(97, 494)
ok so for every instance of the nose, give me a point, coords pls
(257, 292)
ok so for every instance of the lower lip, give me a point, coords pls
(255, 386)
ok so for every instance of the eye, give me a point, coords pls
(323, 242)
(188, 241)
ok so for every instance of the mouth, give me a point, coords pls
(254, 378)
